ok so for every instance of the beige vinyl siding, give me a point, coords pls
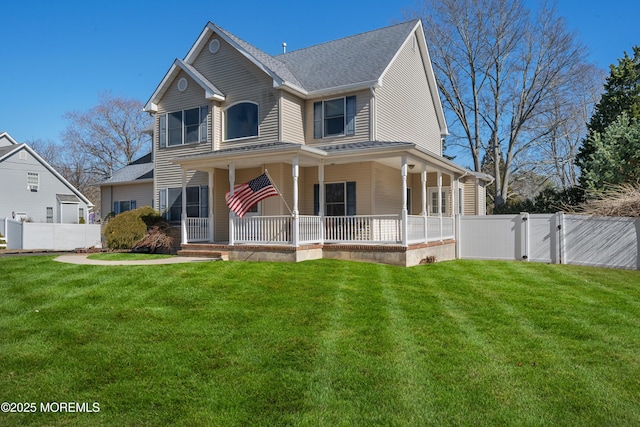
(240, 80)
(359, 172)
(142, 193)
(469, 194)
(292, 118)
(404, 107)
(168, 174)
(363, 103)
(387, 190)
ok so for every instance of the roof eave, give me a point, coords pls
(336, 90)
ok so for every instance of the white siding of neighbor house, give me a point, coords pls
(404, 105)
(142, 193)
(17, 197)
(363, 103)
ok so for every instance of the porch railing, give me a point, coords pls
(363, 228)
(333, 229)
(198, 229)
(433, 228)
(262, 229)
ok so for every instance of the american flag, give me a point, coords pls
(246, 195)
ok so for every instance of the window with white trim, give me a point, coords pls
(183, 127)
(334, 117)
(33, 181)
(241, 121)
(49, 214)
(433, 201)
(197, 202)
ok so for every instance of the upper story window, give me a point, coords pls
(241, 121)
(334, 117)
(33, 180)
(184, 127)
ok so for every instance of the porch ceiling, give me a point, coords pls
(387, 153)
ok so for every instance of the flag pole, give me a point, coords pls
(278, 191)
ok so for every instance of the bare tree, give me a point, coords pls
(499, 69)
(110, 134)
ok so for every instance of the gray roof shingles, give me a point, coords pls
(361, 58)
(356, 59)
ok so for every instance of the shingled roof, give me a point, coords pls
(138, 170)
(358, 60)
(348, 61)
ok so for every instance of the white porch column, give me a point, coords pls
(405, 219)
(440, 201)
(321, 200)
(424, 213)
(210, 195)
(184, 237)
(232, 215)
(295, 232)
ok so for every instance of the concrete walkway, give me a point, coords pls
(83, 259)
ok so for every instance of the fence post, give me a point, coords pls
(561, 247)
(524, 218)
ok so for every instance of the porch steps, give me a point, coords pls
(202, 251)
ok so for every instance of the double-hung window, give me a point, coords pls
(33, 181)
(334, 117)
(339, 199)
(184, 127)
(197, 202)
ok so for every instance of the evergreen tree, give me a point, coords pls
(621, 94)
(615, 157)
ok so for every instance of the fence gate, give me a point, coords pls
(552, 238)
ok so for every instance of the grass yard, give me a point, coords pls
(322, 343)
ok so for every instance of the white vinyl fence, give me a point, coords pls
(45, 236)
(553, 238)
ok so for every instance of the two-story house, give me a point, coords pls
(350, 132)
(32, 190)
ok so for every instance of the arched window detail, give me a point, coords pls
(241, 121)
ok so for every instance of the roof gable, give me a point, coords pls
(349, 63)
(6, 140)
(6, 152)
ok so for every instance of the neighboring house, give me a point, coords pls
(32, 190)
(128, 188)
(350, 131)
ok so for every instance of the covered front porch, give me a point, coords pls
(387, 176)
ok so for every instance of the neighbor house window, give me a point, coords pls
(184, 127)
(123, 206)
(33, 181)
(334, 117)
(49, 214)
(80, 214)
(241, 121)
(339, 199)
(197, 202)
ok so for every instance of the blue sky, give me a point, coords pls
(58, 56)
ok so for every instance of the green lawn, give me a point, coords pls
(322, 343)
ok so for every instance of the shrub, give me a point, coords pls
(125, 229)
